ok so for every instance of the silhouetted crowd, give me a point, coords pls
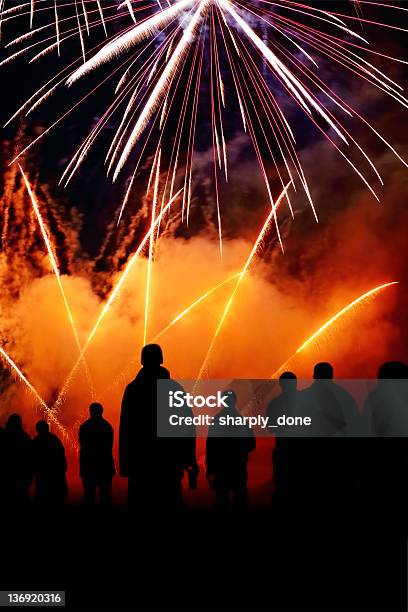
(334, 469)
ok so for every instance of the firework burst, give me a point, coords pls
(247, 58)
(364, 298)
(188, 72)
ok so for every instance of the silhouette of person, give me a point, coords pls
(153, 465)
(50, 466)
(333, 409)
(227, 450)
(175, 449)
(287, 453)
(96, 463)
(330, 460)
(387, 404)
(18, 462)
(285, 403)
(384, 462)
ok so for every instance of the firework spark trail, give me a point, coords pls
(55, 268)
(33, 390)
(49, 87)
(192, 136)
(161, 88)
(169, 183)
(101, 16)
(240, 277)
(177, 318)
(196, 302)
(57, 29)
(112, 297)
(250, 128)
(215, 139)
(196, 66)
(123, 42)
(56, 122)
(63, 36)
(293, 84)
(139, 78)
(128, 3)
(113, 153)
(82, 151)
(151, 245)
(51, 254)
(331, 321)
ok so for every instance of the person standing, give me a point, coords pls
(329, 465)
(227, 450)
(49, 466)
(18, 472)
(96, 462)
(288, 450)
(154, 465)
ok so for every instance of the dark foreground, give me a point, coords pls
(199, 560)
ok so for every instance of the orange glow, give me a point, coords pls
(362, 298)
(258, 321)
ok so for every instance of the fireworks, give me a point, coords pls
(49, 413)
(362, 298)
(151, 244)
(113, 296)
(127, 373)
(186, 78)
(258, 242)
(262, 391)
(194, 304)
(160, 58)
(54, 265)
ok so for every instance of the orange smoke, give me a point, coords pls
(272, 314)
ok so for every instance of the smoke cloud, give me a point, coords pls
(282, 300)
